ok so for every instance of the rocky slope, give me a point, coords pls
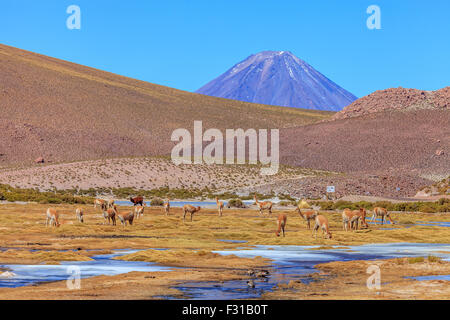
(397, 99)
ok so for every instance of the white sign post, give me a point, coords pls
(330, 189)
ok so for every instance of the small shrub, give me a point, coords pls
(285, 203)
(236, 203)
(157, 202)
(434, 259)
(416, 260)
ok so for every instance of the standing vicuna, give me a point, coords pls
(167, 207)
(99, 202)
(322, 223)
(52, 218)
(191, 209)
(219, 206)
(349, 218)
(109, 214)
(125, 216)
(308, 216)
(137, 200)
(378, 211)
(79, 213)
(281, 224)
(265, 205)
(362, 216)
(110, 203)
(139, 210)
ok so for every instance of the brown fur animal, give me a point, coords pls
(110, 203)
(139, 200)
(138, 211)
(383, 213)
(281, 224)
(361, 213)
(167, 207)
(191, 209)
(308, 216)
(322, 223)
(79, 213)
(110, 214)
(265, 205)
(52, 218)
(99, 202)
(219, 206)
(125, 216)
(349, 218)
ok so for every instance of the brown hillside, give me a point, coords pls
(397, 99)
(63, 112)
(416, 142)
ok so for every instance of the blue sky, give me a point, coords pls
(186, 43)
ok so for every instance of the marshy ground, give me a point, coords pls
(26, 240)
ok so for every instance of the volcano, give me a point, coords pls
(279, 78)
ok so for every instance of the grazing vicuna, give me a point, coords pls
(110, 214)
(265, 205)
(139, 200)
(349, 218)
(219, 206)
(322, 223)
(125, 216)
(191, 209)
(167, 207)
(79, 213)
(383, 213)
(281, 224)
(308, 216)
(138, 211)
(99, 202)
(361, 213)
(52, 218)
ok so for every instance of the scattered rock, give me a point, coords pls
(39, 160)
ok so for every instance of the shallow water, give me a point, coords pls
(179, 204)
(426, 278)
(101, 265)
(289, 263)
(434, 223)
(232, 241)
(297, 262)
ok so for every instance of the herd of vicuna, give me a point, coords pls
(350, 218)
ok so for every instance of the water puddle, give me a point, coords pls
(297, 263)
(289, 263)
(232, 241)
(179, 204)
(101, 265)
(427, 278)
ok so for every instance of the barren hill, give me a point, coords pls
(396, 99)
(62, 111)
(415, 142)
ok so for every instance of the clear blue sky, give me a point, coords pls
(186, 43)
